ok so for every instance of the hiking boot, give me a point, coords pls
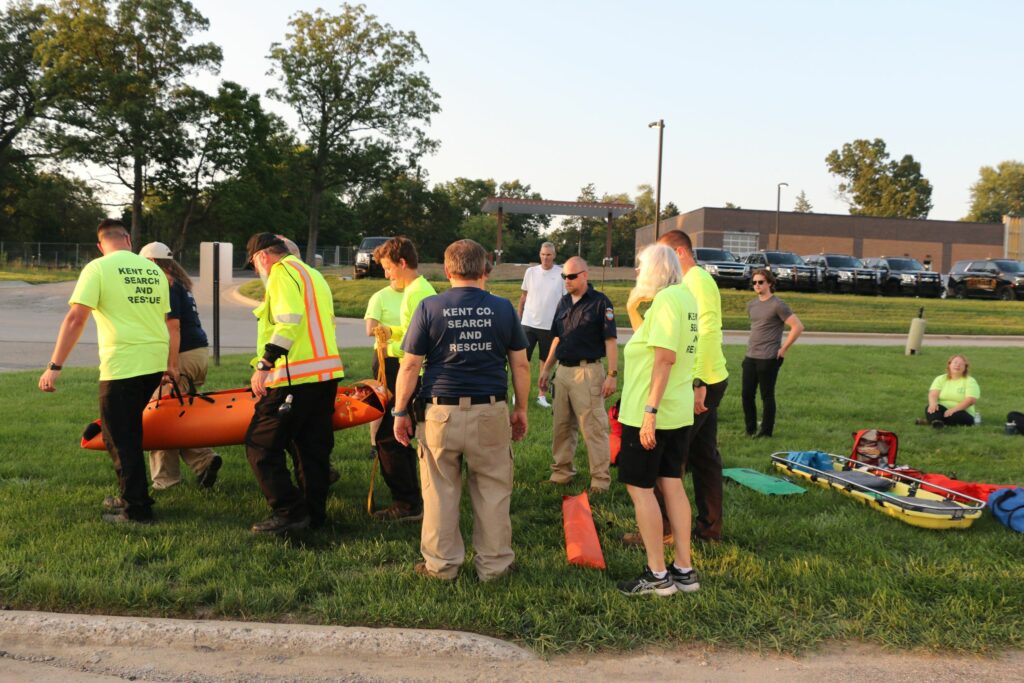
(208, 477)
(278, 526)
(543, 402)
(421, 569)
(123, 518)
(648, 583)
(114, 504)
(633, 539)
(938, 424)
(688, 582)
(399, 512)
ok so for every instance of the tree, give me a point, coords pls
(874, 185)
(999, 192)
(359, 98)
(116, 69)
(22, 96)
(802, 204)
(730, 205)
(404, 205)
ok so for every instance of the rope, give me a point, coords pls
(380, 334)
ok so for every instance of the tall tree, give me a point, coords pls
(802, 204)
(116, 67)
(999, 192)
(360, 99)
(22, 95)
(875, 185)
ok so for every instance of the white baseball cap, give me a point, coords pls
(156, 250)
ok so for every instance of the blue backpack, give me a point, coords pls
(1008, 507)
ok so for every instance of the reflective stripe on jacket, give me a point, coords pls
(297, 314)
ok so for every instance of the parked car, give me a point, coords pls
(906, 276)
(366, 265)
(723, 266)
(986, 278)
(842, 273)
(789, 269)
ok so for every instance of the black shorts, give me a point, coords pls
(641, 467)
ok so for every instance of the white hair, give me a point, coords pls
(659, 268)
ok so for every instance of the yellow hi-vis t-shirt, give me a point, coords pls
(709, 364)
(129, 299)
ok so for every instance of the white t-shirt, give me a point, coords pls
(543, 290)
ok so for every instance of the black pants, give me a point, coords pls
(705, 463)
(538, 337)
(960, 418)
(121, 404)
(758, 372)
(397, 462)
(307, 427)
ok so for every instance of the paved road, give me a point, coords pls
(30, 316)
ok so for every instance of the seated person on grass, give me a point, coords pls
(953, 395)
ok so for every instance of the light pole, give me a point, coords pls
(660, 123)
(778, 205)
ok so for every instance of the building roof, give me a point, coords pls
(550, 206)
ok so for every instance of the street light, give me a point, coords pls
(660, 124)
(778, 204)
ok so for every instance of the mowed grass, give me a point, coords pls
(37, 276)
(793, 571)
(818, 312)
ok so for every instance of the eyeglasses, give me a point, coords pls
(572, 276)
(759, 282)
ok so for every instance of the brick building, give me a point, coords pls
(742, 231)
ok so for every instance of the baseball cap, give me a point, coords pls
(156, 250)
(259, 242)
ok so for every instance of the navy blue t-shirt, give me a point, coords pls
(183, 307)
(583, 326)
(464, 335)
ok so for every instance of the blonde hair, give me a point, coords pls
(659, 268)
(967, 364)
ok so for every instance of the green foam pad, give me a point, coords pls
(760, 482)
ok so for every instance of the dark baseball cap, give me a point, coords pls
(259, 242)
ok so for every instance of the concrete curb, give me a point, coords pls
(87, 629)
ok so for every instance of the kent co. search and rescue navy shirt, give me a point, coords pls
(464, 335)
(583, 326)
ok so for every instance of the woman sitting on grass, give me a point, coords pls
(656, 412)
(955, 390)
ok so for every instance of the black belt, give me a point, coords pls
(575, 363)
(474, 400)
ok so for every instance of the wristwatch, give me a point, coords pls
(54, 366)
(651, 409)
(264, 366)
(613, 373)
(698, 383)
(399, 413)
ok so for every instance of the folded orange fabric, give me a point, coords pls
(582, 546)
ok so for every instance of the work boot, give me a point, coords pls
(421, 569)
(114, 504)
(399, 512)
(208, 477)
(278, 526)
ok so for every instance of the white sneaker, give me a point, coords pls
(543, 402)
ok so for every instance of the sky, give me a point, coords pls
(560, 94)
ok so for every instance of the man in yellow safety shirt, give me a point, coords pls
(296, 381)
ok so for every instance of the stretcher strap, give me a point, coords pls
(373, 478)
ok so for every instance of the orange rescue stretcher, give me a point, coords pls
(221, 418)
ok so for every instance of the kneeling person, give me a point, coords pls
(466, 336)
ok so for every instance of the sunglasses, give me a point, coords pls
(759, 282)
(572, 276)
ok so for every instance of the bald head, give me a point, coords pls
(575, 264)
(574, 274)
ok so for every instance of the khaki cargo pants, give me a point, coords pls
(579, 409)
(481, 436)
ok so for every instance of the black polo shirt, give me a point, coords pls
(583, 326)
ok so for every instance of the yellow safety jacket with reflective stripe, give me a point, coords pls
(297, 314)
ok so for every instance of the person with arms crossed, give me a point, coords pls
(128, 298)
(584, 332)
(465, 336)
(542, 289)
(400, 261)
(296, 375)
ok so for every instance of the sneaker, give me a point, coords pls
(688, 582)
(398, 512)
(648, 583)
(421, 569)
(123, 518)
(542, 401)
(633, 539)
(938, 424)
(208, 477)
(922, 422)
(278, 526)
(114, 504)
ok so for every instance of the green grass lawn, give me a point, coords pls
(819, 312)
(793, 571)
(37, 276)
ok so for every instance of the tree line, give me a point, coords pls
(102, 89)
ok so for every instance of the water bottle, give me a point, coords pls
(977, 418)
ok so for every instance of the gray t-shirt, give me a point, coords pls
(767, 321)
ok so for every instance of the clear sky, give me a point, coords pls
(559, 93)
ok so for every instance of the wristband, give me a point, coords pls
(263, 366)
(399, 413)
(651, 409)
(54, 366)
(613, 373)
